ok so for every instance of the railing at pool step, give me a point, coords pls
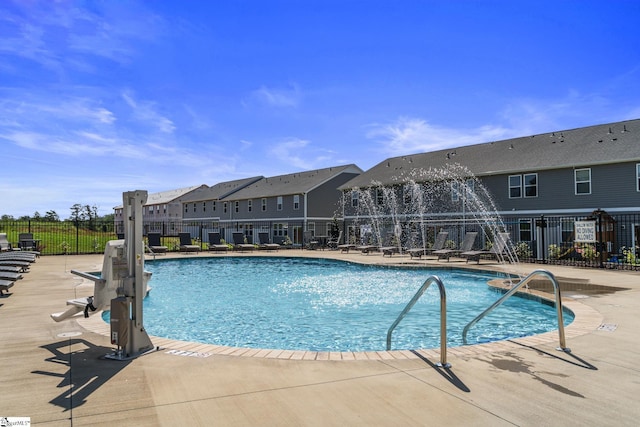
(443, 317)
(513, 290)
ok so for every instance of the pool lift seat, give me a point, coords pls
(122, 286)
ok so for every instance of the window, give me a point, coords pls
(237, 206)
(186, 207)
(407, 195)
(525, 230)
(214, 206)
(194, 207)
(279, 203)
(264, 204)
(531, 185)
(164, 208)
(455, 191)
(515, 186)
(583, 181)
(354, 199)
(279, 230)
(638, 177)
(224, 207)
(379, 196)
(296, 202)
(204, 206)
(249, 205)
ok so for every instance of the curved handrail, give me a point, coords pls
(443, 317)
(513, 290)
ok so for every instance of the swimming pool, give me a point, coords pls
(326, 305)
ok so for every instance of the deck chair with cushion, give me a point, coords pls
(265, 244)
(155, 246)
(467, 244)
(185, 243)
(5, 285)
(215, 243)
(239, 244)
(24, 265)
(496, 252)
(439, 243)
(9, 275)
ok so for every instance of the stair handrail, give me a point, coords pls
(443, 317)
(513, 290)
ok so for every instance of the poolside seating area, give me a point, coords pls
(215, 243)
(13, 266)
(239, 243)
(154, 244)
(266, 244)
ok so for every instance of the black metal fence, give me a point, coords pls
(613, 243)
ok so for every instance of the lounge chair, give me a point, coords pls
(5, 285)
(155, 245)
(496, 251)
(332, 243)
(8, 275)
(441, 238)
(215, 244)
(11, 269)
(186, 244)
(265, 244)
(24, 265)
(309, 242)
(239, 244)
(466, 246)
(19, 256)
(390, 248)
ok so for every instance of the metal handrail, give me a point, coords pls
(443, 317)
(558, 301)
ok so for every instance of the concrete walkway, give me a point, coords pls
(55, 373)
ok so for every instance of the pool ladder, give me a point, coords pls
(443, 317)
(513, 290)
(443, 312)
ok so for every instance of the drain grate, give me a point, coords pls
(608, 327)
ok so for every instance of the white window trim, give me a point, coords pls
(511, 186)
(524, 186)
(575, 181)
(296, 202)
(637, 176)
(279, 203)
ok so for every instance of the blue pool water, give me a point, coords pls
(326, 305)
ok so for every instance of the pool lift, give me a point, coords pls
(122, 285)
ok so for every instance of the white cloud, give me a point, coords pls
(290, 97)
(146, 112)
(411, 135)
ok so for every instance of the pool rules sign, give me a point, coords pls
(585, 231)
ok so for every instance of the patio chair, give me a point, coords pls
(215, 244)
(4, 243)
(496, 251)
(239, 244)
(441, 239)
(155, 246)
(265, 244)
(467, 244)
(26, 242)
(186, 244)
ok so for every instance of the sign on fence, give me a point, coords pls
(585, 231)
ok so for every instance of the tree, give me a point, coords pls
(36, 216)
(51, 216)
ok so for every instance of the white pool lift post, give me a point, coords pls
(122, 285)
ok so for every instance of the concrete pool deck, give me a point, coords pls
(55, 373)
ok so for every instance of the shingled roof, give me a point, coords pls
(587, 146)
(294, 183)
(220, 190)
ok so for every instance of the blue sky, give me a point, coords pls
(102, 97)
